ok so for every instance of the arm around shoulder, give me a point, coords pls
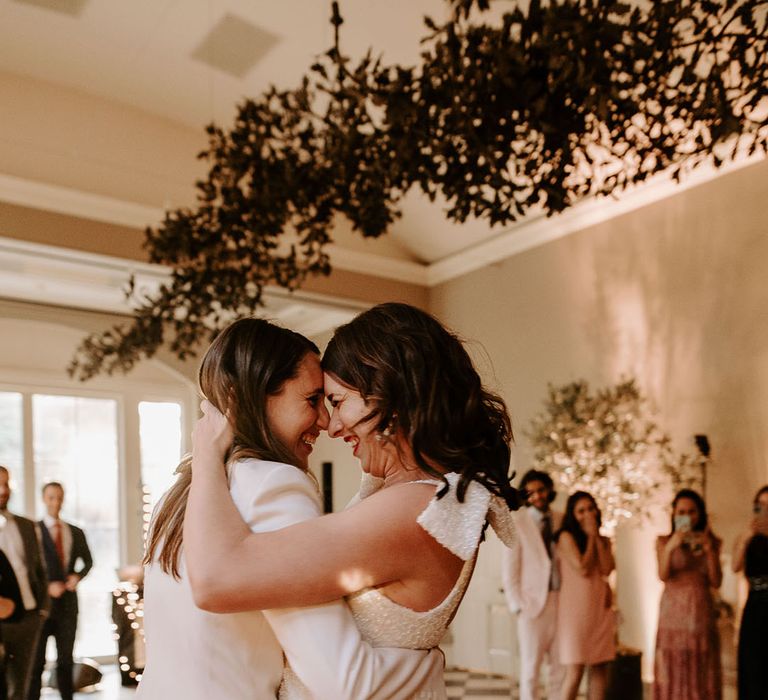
(319, 561)
(266, 496)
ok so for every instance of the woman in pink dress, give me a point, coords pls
(687, 643)
(586, 622)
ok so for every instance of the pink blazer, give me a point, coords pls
(526, 567)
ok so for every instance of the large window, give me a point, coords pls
(103, 449)
(160, 430)
(76, 443)
(12, 444)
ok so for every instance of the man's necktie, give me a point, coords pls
(546, 533)
(58, 541)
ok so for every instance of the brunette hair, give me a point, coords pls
(691, 495)
(418, 378)
(51, 485)
(248, 362)
(537, 475)
(571, 525)
(760, 492)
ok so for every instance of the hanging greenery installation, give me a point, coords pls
(553, 103)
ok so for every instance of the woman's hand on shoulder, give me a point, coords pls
(212, 434)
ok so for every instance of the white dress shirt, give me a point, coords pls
(538, 518)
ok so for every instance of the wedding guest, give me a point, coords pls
(19, 541)
(585, 619)
(750, 554)
(409, 403)
(531, 579)
(11, 610)
(270, 382)
(687, 662)
(68, 560)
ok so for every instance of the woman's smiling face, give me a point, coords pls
(349, 411)
(298, 413)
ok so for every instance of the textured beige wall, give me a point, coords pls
(675, 294)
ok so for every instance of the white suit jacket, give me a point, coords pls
(197, 655)
(526, 567)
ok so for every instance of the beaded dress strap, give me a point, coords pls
(458, 525)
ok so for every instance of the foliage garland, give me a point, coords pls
(556, 103)
(608, 444)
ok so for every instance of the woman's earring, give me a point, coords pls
(387, 432)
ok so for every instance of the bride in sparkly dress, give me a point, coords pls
(435, 448)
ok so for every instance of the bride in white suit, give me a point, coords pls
(408, 401)
(270, 378)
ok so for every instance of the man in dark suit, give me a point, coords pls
(19, 542)
(68, 560)
(11, 610)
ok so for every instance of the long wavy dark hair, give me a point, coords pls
(571, 525)
(418, 377)
(248, 362)
(700, 506)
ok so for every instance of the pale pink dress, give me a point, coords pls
(586, 622)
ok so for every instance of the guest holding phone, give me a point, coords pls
(687, 663)
(750, 554)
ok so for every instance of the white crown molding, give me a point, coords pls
(86, 205)
(72, 202)
(51, 275)
(534, 231)
(378, 265)
(539, 229)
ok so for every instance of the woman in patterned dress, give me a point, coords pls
(687, 663)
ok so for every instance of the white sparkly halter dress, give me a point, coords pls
(458, 526)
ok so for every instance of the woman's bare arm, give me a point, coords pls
(376, 542)
(605, 560)
(664, 548)
(711, 546)
(740, 547)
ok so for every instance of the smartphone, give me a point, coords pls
(682, 523)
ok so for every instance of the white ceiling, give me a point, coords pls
(142, 53)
